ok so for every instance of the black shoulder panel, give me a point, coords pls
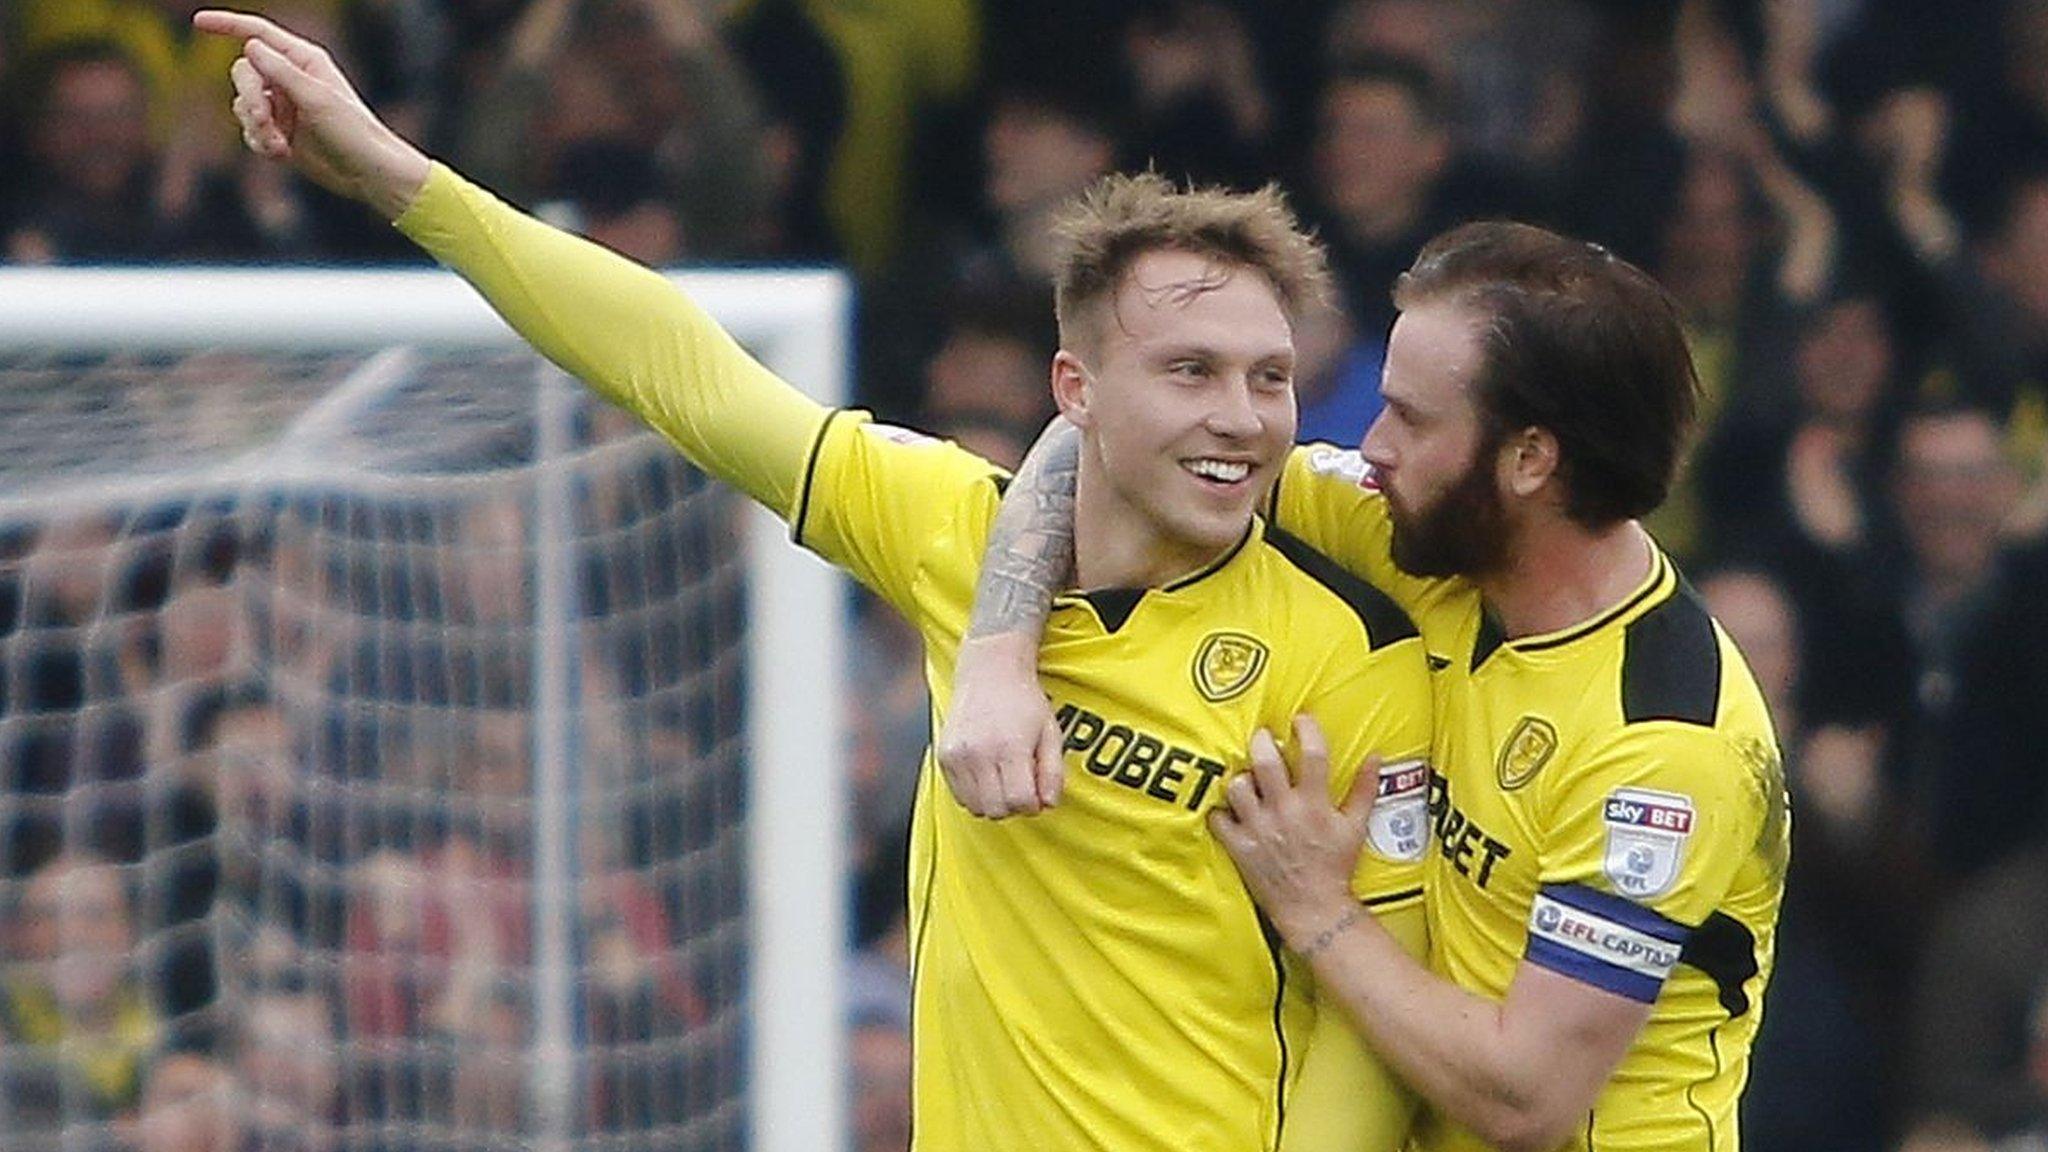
(1671, 669)
(1385, 622)
(1725, 950)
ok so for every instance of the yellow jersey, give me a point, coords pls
(1095, 977)
(1607, 802)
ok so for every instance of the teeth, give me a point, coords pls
(1228, 471)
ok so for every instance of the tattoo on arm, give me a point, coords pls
(1328, 936)
(1031, 544)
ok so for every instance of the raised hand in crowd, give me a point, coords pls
(1791, 46)
(1911, 129)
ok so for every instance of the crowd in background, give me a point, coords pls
(1848, 199)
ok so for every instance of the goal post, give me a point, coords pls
(328, 452)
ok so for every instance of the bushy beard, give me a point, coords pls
(1464, 533)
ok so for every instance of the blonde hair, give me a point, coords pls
(1124, 217)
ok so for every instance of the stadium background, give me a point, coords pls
(1849, 199)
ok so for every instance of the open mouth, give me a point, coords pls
(1223, 473)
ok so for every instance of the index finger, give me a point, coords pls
(249, 26)
(1312, 756)
(1268, 769)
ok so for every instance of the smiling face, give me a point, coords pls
(1430, 450)
(1184, 392)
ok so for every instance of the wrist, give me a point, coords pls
(400, 176)
(1317, 926)
(1000, 653)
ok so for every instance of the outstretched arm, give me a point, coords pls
(1000, 749)
(619, 327)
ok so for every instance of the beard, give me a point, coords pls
(1463, 533)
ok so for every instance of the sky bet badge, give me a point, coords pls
(1646, 834)
(1399, 825)
(1226, 664)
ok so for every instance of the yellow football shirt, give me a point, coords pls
(1095, 977)
(1606, 802)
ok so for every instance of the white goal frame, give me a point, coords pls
(797, 322)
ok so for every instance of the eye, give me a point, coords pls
(1275, 378)
(1188, 369)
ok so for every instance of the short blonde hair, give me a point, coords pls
(1124, 217)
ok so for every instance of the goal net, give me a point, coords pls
(400, 749)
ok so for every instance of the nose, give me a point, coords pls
(1376, 448)
(1234, 414)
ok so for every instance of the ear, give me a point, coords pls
(1528, 460)
(1072, 388)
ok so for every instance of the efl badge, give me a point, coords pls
(1646, 834)
(897, 434)
(1528, 749)
(1399, 826)
(1343, 463)
(1226, 664)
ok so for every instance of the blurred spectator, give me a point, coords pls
(614, 196)
(1513, 71)
(1202, 113)
(79, 1023)
(288, 1055)
(431, 932)
(2003, 126)
(192, 1104)
(74, 726)
(1843, 943)
(878, 1041)
(94, 194)
(638, 995)
(993, 363)
(487, 1092)
(1040, 147)
(879, 1055)
(1973, 618)
(1990, 302)
(1388, 173)
(869, 76)
(889, 724)
(185, 74)
(1746, 247)
(1980, 1015)
(1805, 487)
(635, 114)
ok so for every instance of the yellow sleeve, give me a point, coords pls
(876, 500)
(1326, 496)
(1643, 839)
(1347, 1099)
(629, 334)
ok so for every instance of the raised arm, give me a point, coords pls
(619, 327)
(1000, 749)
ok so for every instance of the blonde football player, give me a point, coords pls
(1098, 978)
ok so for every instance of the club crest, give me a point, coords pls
(1226, 664)
(1528, 749)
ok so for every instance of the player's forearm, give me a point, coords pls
(626, 331)
(1456, 1049)
(1030, 553)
